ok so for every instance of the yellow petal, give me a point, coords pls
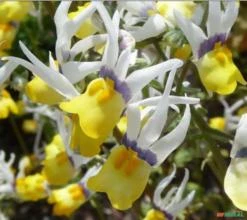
(99, 108)
(154, 215)
(87, 28)
(57, 168)
(38, 91)
(123, 178)
(82, 143)
(31, 188)
(14, 10)
(217, 71)
(67, 199)
(7, 105)
(235, 182)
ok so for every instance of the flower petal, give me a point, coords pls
(140, 78)
(214, 18)
(6, 70)
(153, 27)
(54, 79)
(153, 127)
(166, 145)
(123, 63)
(76, 71)
(192, 32)
(133, 122)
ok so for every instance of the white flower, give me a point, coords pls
(173, 202)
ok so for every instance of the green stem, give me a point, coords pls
(162, 55)
(18, 135)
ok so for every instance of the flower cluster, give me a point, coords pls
(112, 97)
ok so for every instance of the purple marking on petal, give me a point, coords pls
(209, 44)
(168, 215)
(143, 154)
(119, 86)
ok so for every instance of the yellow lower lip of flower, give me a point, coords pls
(57, 168)
(154, 215)
(38, 91)
(217, 71)
(67, 199)
(123, 177)
(83, 144)
(31, 188)
(235, 182)
(99, 108)
(7, 36)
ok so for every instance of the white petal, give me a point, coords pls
(54, 80)
(76, 71)
(192, 32)
(161, 186)
(182, 186)
(90, 172)
(175, 209)
(154, 26)
(87, 43)
(52, 62)
(153, 127)
(111, 51)
(6, 70)
(214, 18)
(229, 17)
(133, 122)
(140, 78)
(166, 145)
(123, 64)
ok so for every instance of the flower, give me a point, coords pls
(58, 168)
(213, 59)
(7, 105)
(217, 123)
(14, 11)
(129, 165)
(236, 174)
(31, 187)
(7, 36)
(67, 199)
(169, 206)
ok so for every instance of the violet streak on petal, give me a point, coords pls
(209, 44)
(119, 86)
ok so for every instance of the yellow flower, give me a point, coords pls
(123, 177)
(217, 123)
(154, 215)
(31, 188)
(7, 105)
(183, 53)
(98, 110)
(14, 10)
(235, 182)
(29, 126)
(87, 28)
(67, 199)
(217, 71)
(7, 36)
(165, 8)
(57, 168)
(38, 91)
